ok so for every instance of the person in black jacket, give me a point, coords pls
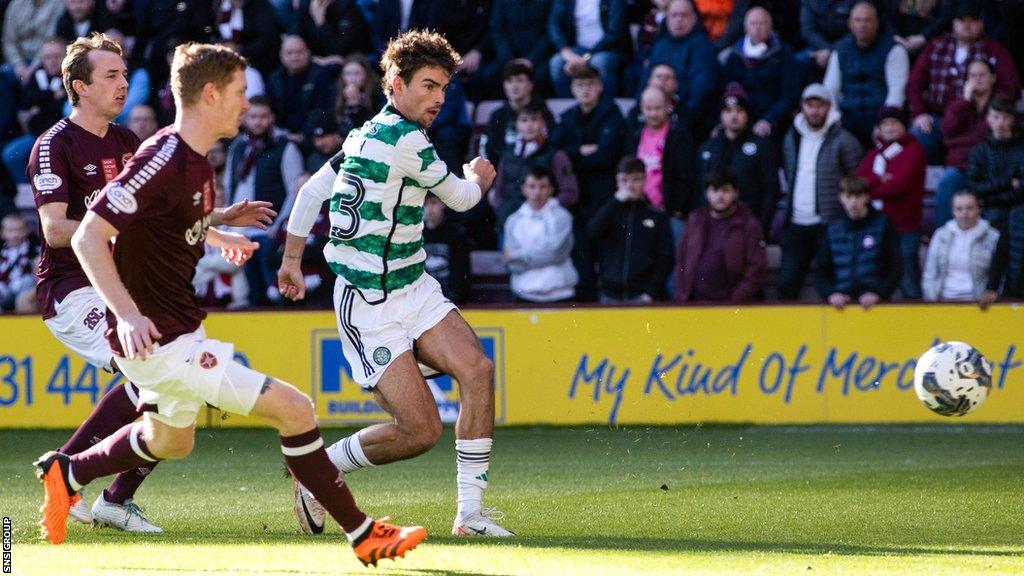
(299, 86)
(517, 82)
(333, 27)
(519, 31)
(859, 259)
(464, 24)
(447, 252)
(389, 20)
(80, 19)
(751, 158)
(995, 171)
(668, 153)
(573, 52)
(591, 133)
(632, 241)
(250, 26)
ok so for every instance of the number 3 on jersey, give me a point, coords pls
(346, 203)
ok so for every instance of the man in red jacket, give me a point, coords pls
(722, 254)
(894, 170)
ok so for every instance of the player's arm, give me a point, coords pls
(310, 198)
(418, 160)
(57, 227)
(90, 243)
(234, 247)
(243, 214)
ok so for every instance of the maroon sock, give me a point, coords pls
(114, 410)
(306, 459)
(121, 451)
(126, 483)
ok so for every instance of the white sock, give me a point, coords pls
(355, 534)
(472, 458)
(347, 454)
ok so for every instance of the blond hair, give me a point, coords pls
(196, 65)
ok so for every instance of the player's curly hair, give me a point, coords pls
(415, 49)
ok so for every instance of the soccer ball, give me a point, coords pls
(952, 378)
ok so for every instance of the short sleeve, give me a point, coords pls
(49, 170)
(139, 190)
(418, 160)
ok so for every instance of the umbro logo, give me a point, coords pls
(197, 198)
(90, 169)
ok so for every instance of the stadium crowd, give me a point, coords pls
(845, 151)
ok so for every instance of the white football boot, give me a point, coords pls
(308, 511)
(81, 511)
(481, 524)
(128, 516)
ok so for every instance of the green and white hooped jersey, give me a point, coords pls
(384, 171)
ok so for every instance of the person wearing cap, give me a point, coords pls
(894, 170)
(817, 153)
(751, 158)
(940, 72)
(324, 133)
(859, 260)
(866, 71)
(765, 67)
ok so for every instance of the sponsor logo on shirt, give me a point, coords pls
(47, 182)
(197, 233)
(120, 200)
(91, 197)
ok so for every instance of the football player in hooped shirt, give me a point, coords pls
(68, 166)
(159, 209)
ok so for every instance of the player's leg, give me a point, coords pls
(452, 347)
(80, 324)
(291, 413)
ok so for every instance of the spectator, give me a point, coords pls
(824, 22)
(519, 31)
(587, 33)
(866, 71)
(632, 240)
(722, 255)
(517, 82)
(894, 170)
(963, 127)
(723, 19)
(19, 257)
(960, 254)
(1013, 11)
(530, 150)
(663, 77)
(80, 19)
(217, 281)
(859, 259)
(317, 273)
(161, 25)
(668, 154)
(995, 171)
(750, 159)
(41, 106)
(817, 153)
(447, 252)
(298, 86)
(333, 27)
(324, 133)
(251, 27)
(28, 24)
(262, 165)
(687, 48)
(591, 133)
(142, 121)
(464, 23)
(940, 72)
(538, 244)
(359, 95)
(765, 67)
(918, 22)
(1006, 276)
(395, 16)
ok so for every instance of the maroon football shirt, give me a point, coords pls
(70, 164)
(160, 205)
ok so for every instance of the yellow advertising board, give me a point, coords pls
(661, 365)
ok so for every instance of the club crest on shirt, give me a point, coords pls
(120, 200)
(47, 182)
(207, 360)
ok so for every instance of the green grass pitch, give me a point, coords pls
(926, 500)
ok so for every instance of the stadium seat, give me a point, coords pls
(484, 110)
(559, 105)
